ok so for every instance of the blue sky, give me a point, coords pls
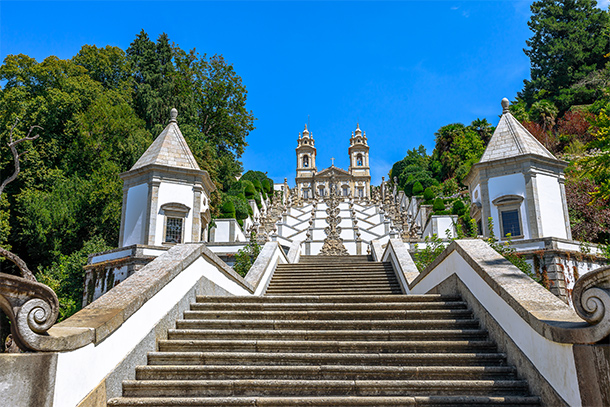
(400, 69)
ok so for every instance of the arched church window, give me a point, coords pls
(306, 161)
(509, 210)
(175, 215)
(359, 160)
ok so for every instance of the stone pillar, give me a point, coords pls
(196, 230)
(534, 222)
(123, 210)
(152, 211)
(486, 207)
(382, 189)
(564, 201)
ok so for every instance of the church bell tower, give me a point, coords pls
(306, 164)
(359, 163)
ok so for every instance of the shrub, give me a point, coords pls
(247, 256)
(249, 190)
(438, 205)
(267, 185)
(428, 194)
(417, 188)
(450, 187)
(241, 207)
(458, 208)
(227, 210)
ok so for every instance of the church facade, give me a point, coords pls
(355, 182)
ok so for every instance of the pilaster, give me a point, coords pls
(196, 229)
(534, 222)
(566, 215)
(152, 211)
(123, 212)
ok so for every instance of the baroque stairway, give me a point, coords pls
(330, 331)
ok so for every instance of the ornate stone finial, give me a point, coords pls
(358, 131)
(305, 132)
(505, 105)
(173, 114)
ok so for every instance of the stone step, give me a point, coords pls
(309, 372)
(347, 293)
(278, 387)
(338, 277)
(368, 325)
(305, 279)
(378, 335)
(288, 269)
(334, 290)
(321, 285)
(290, 306)
(323, 359)
(412, 298)
(330, 315)
(321, 346)
(347, 401)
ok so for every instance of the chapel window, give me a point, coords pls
(509, 209)
(175, 215)
(306, 161)
(510, 223)
(322, 191)
(359, 160)
(306, 193)
(173, 230)
(360, 192)
(345, 191)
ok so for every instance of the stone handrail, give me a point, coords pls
(539, 308)
(396, 253)
(33, 308)
(294, 254)
(264, 266)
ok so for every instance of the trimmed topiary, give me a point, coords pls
(227, 210)
(458, 208)
(428, 194)
(417, 188)
(267, 185)
(438, 205)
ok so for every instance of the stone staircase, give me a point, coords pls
(334, 275)
(344, 349)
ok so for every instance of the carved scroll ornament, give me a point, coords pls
(32, 308)
(591, 297)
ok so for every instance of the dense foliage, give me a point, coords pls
(99, 112)
(565, 105)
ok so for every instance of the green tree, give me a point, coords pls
(569, 43)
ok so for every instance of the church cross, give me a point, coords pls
(332, 159)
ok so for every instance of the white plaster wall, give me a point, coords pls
(79, 371)
(135, 215)
(544, 354)
(551, 207)
(513, 184)
(180, 193)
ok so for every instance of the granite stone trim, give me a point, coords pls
(544, 312)
(263, 262)
(397, 253)
(106, 314)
